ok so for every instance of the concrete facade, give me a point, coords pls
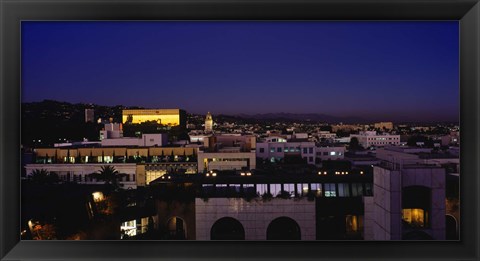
(385, 210)
(255, 216)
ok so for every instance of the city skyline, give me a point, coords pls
(400, 71)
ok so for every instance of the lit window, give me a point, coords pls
(415, 217)
(290, 188)
(129, 228)
(262, 189)
(317, 189)
(302, 189)
(275, 189)
(332, 153)
(353, 224)
(330, 190)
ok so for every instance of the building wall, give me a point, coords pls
(368, 221)
(147, 140)
(330, 153)
(255, 216)
(387, 205)
(226, 161)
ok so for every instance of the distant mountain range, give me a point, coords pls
(314, 117)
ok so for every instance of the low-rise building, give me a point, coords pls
(370, 138)
(227, 152)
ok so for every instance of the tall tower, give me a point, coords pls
(208, 123)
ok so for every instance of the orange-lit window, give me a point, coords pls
(353, 224)
(415, 217)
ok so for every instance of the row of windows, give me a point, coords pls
(390, 138)
(86, 178)
(304, 151)
(381, 143)
(171, 166)
(330, 153)
(294, 189)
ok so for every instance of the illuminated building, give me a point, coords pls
(141, 164)
(383, 125)
(208, 123)
(370, 138)
(168, 117)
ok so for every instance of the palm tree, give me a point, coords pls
(110, 175)
(42, 176)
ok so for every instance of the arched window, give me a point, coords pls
(283, 228)
(451, 227)
(227, 228)
(176, 228)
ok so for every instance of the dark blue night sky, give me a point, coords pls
(400, 71)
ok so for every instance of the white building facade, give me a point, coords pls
(256, 217)
(370, 138)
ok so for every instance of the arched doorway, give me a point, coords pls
(451, 227)
(283, 228)
(176, 228)
(227, 228)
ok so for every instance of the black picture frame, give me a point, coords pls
(14, 11)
